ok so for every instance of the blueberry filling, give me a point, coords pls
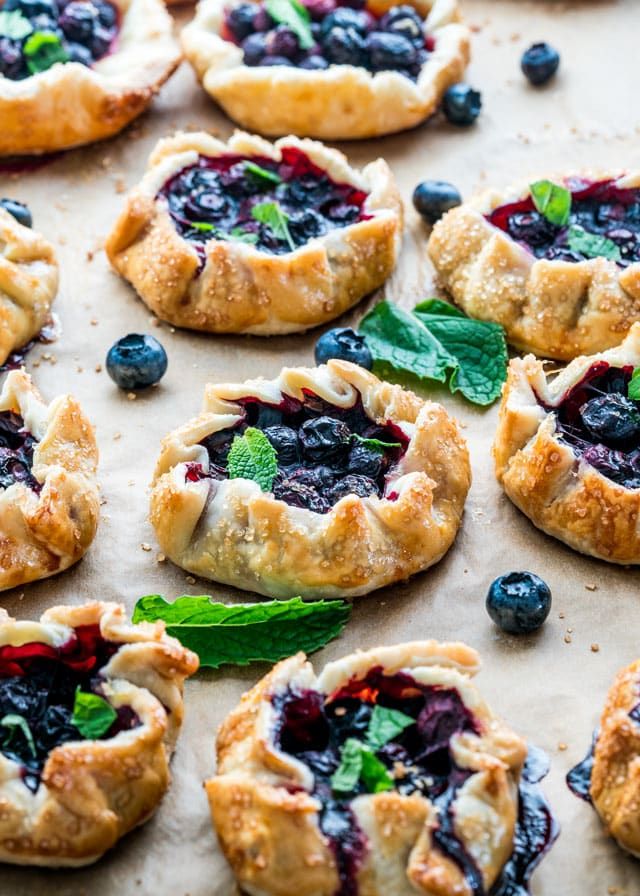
(38, 683)
(418, 760)
(601, 424)
(601, 209)
(16, 452)
(319, 448)
(338, 34)
(275, 206)
(48, 31)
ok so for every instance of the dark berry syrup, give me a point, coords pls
(38, 682)
(48, 334)
(600, 208)
(320, 460)
(16, 452)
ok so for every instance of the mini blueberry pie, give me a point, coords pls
(567, 449)
(253, 237)
(90, 711)
(48, 491)
(386, 775)
(28, 279)
(557, 264)
(76, 71)
(323, 482)
(324, 68)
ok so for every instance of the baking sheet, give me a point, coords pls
(549, 687)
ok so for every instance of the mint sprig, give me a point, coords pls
(592, 245)
(92, 715)
(385, 725)
(437, 343)
(42, 50)
(14, 25)
(276, 219)
(252, 456)
(374, 444)
(296, 16)
(246, 633)
(359, 763)
(262, 173)
(633, 389)
(15, 725)
(552, 201)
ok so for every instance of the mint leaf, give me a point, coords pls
(375, 444)
(296, 16)
(15, 724)
(236, 234)
(633, 389)
(42, 50)
(202, 226)
(246, 633)
(592, 244)
(252, 456)
(552, 201)
(437, 306)
(14, 25)
(346, 776)
(271, 214)
(385, 725)
(262, 173)
(241, 236)
(375, 775)
(92, 715)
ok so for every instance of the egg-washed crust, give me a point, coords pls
(615, 777)
(559, 492)
(43, 534)
(242, 289)
(93, 792)
(266, 817)
(555, 309)
(70, 104)
(232, 532)
(343, 102)
(28, 283)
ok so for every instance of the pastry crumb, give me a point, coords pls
(160, 558)
(567, 639)
(562, 746)
(591, 586)
(595, 648)
(131, 396)
(191, 580)
(145, 546)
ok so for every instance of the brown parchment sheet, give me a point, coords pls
(549, 687)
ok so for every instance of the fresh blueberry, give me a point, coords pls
(432, 198)
(285, 441)
(240, 20)
(19, 211)
(353, 484)
(344, 344)
(461, 104)
(540, 63)
(519, 602)
(324, 439)
(389, 51)
(135, 361)
(612, 419)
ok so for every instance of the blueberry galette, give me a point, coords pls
(90, 711)
(253, 237)
(75, 71)
(28, 279)
(557, 264)
(48, 492)
(323, 68)
(567, 449)
(322, 482)
(386, 775)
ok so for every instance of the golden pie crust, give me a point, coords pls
(266, 816)
(342, 102)
(242, 289)
(555, 309)
(232, 532)
(28, 283)
(92, 792)
(560, 493)
(43, 534)
(71, 104)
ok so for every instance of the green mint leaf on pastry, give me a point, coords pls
(633, 389)
(252, 456)
(42, 50)
(262, 173)
(551, 200)
(358, 763)
(92, 715)
(592, 244)
(385, 725)
(296, 16)
(375, 775)
(277, 220)
(246, 633)
(236, 234)
(241, 236)
(15, 726)
(375, 444)
(14, 25)
(436, 343)
(203, 226)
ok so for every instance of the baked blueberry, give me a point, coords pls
(344, 17)
(366, 461)
(79, 20)
(404, 20)
(612, 419)
(389, 51)
(136, 361)
(324, 439)
(344, 46)
(19, 211)
(461, 104)
(540, 63)
(254, 48)
(353, 484)
(344, 344)
(285, 441)
(282, 41)
(432, 198)
(519, 602)
(320, 478)
(299, 495)
(314, 62)
(241, 20)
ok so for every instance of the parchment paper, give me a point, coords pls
(548, 689)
